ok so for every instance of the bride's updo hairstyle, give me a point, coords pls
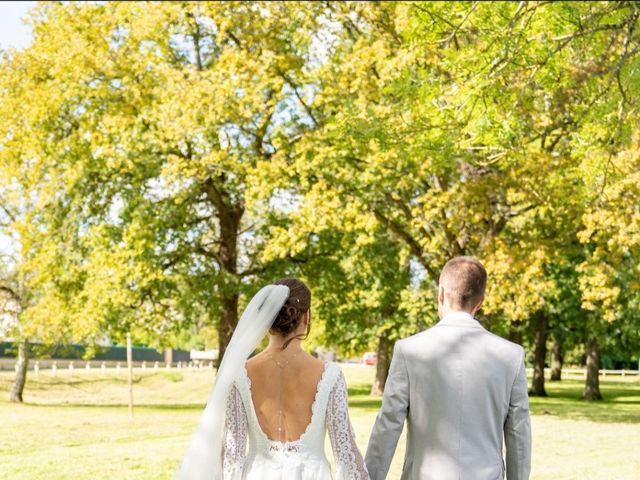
(293, 310)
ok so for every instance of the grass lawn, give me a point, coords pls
(76, 427)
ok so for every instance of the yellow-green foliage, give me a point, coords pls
(360, 145)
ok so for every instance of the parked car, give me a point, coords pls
(370, 358)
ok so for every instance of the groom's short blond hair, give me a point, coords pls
(464, 280)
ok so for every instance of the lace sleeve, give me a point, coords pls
(349, 462)
(235, 436)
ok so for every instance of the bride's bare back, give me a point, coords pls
(290, 387)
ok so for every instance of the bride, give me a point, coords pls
(281, 402)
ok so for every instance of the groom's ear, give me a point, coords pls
(441, 295)
(479, 305)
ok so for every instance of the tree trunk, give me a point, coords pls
(515, 334)
(537, 384)
(21, 374)
(385, 350)
(228, 322)
(229, 214)
(556, 360)
(228, 258)
(592, 384)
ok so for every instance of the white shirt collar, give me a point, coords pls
(460, 319)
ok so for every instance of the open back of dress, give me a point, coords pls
(283, 398)
(302, 458)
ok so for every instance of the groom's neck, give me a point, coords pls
(448, 311)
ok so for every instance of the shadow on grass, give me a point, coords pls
(564, 400)
(143, 406)
(77, 381)
(371, 403)
(359, 397)
(620, 405)
(359, 389)
(621, 402)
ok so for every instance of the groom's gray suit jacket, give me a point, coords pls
(462, 390)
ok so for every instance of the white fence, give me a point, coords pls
(583, 372)
(78, 367)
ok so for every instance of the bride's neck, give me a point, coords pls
(276, 342)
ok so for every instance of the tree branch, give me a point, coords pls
(299, 97)
(412, 243)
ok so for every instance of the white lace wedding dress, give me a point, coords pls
(302, 459)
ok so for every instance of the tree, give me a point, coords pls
(141, 131)
(180, 155)
(566, 314)
(10, 304)
(462, 128)
(557, 357)
(14, 297)
(608, 275)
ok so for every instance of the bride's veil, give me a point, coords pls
(203, 460)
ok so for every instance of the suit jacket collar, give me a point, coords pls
(459, 319)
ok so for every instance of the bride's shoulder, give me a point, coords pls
(327, 372)
(257, 363)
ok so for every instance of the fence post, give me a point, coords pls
(103, 369)
(130, 368)
(54, 369)
(71, 368)
(36, 369)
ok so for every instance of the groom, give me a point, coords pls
(461, 390)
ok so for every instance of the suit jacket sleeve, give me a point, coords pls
(390, 420)
(517, 428)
